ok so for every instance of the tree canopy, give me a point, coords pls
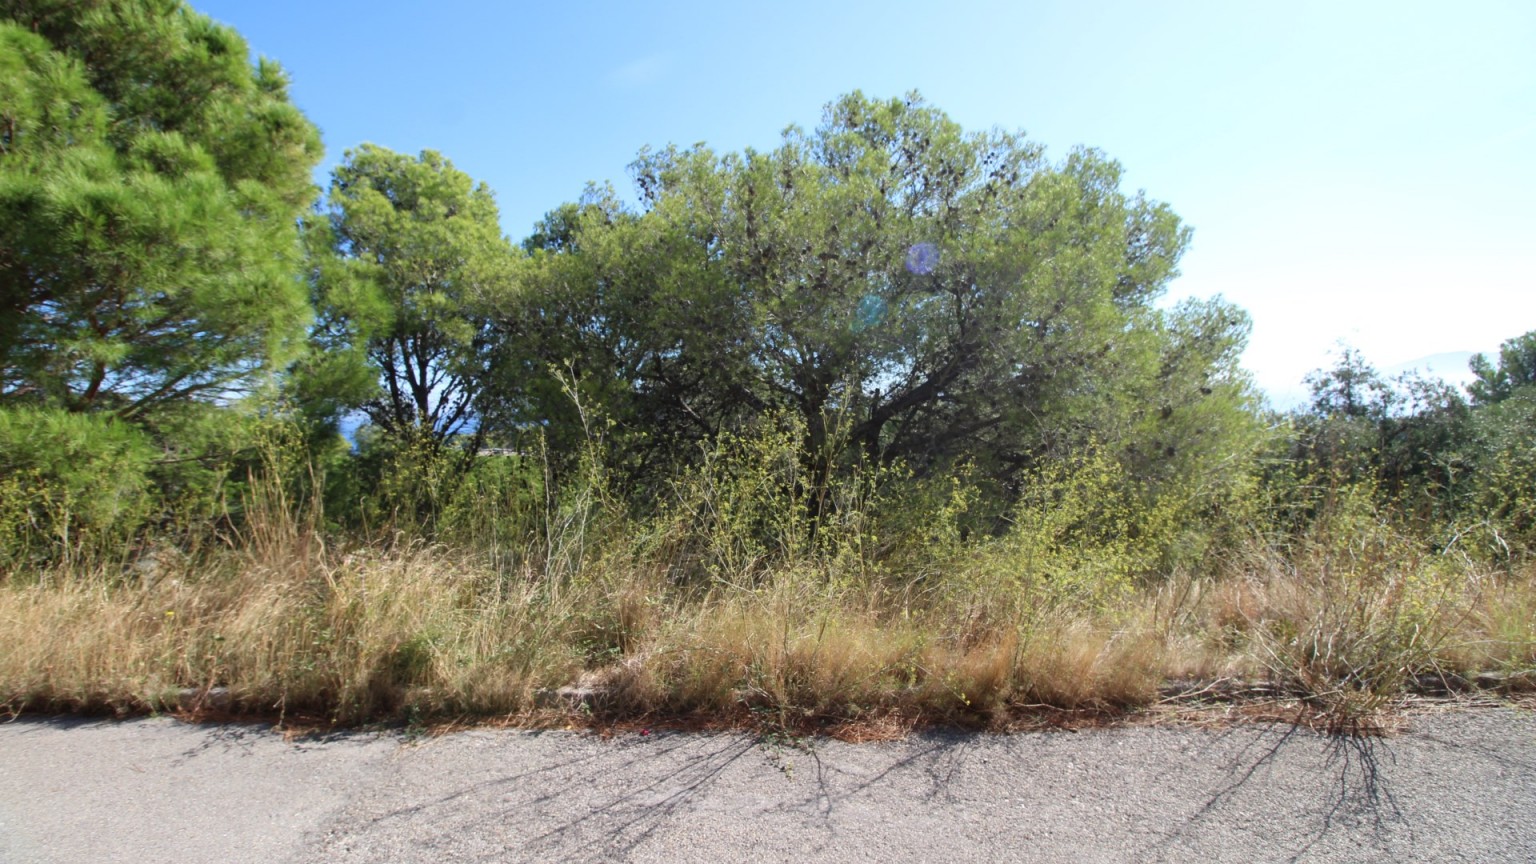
(910, 291)
(885, 301)
(150, 178)
(1515, 369)
(411, 258)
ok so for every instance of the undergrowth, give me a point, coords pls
(746, 599)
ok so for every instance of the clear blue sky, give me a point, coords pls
(1354, 171)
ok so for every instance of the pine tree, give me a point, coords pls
(151, 177)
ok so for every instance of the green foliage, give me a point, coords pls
(334, 375)
(888, 414)
(1460, 471)
(72, 487)
(1516, 369)
(744, 508)
(404, 482)
(82, 487)
(1075, 539)
(405, 272)
(914, 293)
(752, 509)
(748, 515)
(1502, 515)
(149, 181)
(410, 489)
(497, 505)
(1412, 439)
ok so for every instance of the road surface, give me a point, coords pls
(1458, 786)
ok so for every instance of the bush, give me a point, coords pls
(72, 486)
(1503, 517)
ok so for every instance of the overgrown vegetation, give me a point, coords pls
(883, 427)
(732, 603)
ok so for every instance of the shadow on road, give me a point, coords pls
(1344, 786)
(625, 820)
(597, 804)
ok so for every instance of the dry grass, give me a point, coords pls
(292, 627)
(421, 633)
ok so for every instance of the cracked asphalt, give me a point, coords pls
(1457, 786)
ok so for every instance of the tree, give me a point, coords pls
(910, 291)
(150, 179)
(419, 258)
(1504, 397)
(1352, 389)
(1411, 438)
(1516, 369)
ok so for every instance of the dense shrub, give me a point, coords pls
(72, 486)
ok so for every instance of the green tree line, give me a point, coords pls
(890, 298)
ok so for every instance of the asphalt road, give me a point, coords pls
(1458, 786)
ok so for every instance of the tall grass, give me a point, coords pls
(736, 603)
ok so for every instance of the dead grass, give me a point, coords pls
(294, 628)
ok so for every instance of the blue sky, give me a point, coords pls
(1355, 172)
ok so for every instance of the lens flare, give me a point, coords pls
(871, 311)
(922, 258)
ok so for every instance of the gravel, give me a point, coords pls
(1458, 786)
